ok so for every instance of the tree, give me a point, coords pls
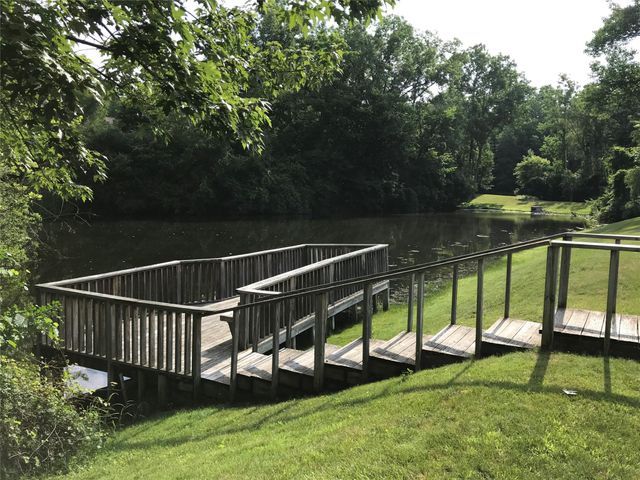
(199, 61)
(490, 88)
(622, 25)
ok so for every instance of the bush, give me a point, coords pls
(41, 428)
(532, 175)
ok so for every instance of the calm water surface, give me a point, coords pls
(111, 245)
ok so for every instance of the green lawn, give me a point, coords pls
(519, 203)
(502, 417)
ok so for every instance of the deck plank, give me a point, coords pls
(455, 340)
(513, 332)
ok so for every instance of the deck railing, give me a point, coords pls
(331, 263)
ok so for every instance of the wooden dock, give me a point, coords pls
(229, 326)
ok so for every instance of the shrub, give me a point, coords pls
(532, 175)
(41, 428)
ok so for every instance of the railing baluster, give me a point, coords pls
(410, 306)
(235, 334)
(322, 305)
(366, 327)
(565, 266)
(507, 287)
(196, 353)
(419, 321)
(275, 350)
(454, 295)
(612, 296)
(479, 307)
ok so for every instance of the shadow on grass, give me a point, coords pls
(290, 411)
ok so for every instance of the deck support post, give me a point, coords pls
(196, 355)
(275, 350)
(612, 295)
(110, 313)
(385, 300)
(321, 311)
(507, 287)
(162, 391)
(454, 295)
(550, 287)
(233, 374)
(419, 321)
(412, 281)
(140, 385)
(565, 265)
(479, 307)
(366, 328)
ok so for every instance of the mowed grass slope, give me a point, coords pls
(587, 289)
(513, 203)
(501, 417)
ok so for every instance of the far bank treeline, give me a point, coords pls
(410, 123)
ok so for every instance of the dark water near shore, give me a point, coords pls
(76, 250)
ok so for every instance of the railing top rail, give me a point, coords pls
(603, 235)
(127, 271)
(133, 301)
(259, 285)
(244, 255)
(597, 246)
(101, 276)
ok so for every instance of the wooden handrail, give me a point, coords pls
(597, 246)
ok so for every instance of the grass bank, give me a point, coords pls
(513, 203)
(502, 417)
(587, 289)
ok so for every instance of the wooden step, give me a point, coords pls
(513, 333)
(453, 340)
(261, 369)
(587, 323)
(350, 356)
(400, 349)
(222, 371)
(303, 364)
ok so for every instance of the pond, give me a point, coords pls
(77, 250)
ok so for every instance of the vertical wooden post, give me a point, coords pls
(419, 321)
(507, 287)
(275, 350)
(366, 328)
(179, 283)
(410, 307)
(612, 295)
(110, 313)
(162, 391)
(235, 334)
(321, 307)
(550, 287)
(454, 295)
(479, 307)
(289, 311)
(385, 300)
(565, 265)
(196, 355)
